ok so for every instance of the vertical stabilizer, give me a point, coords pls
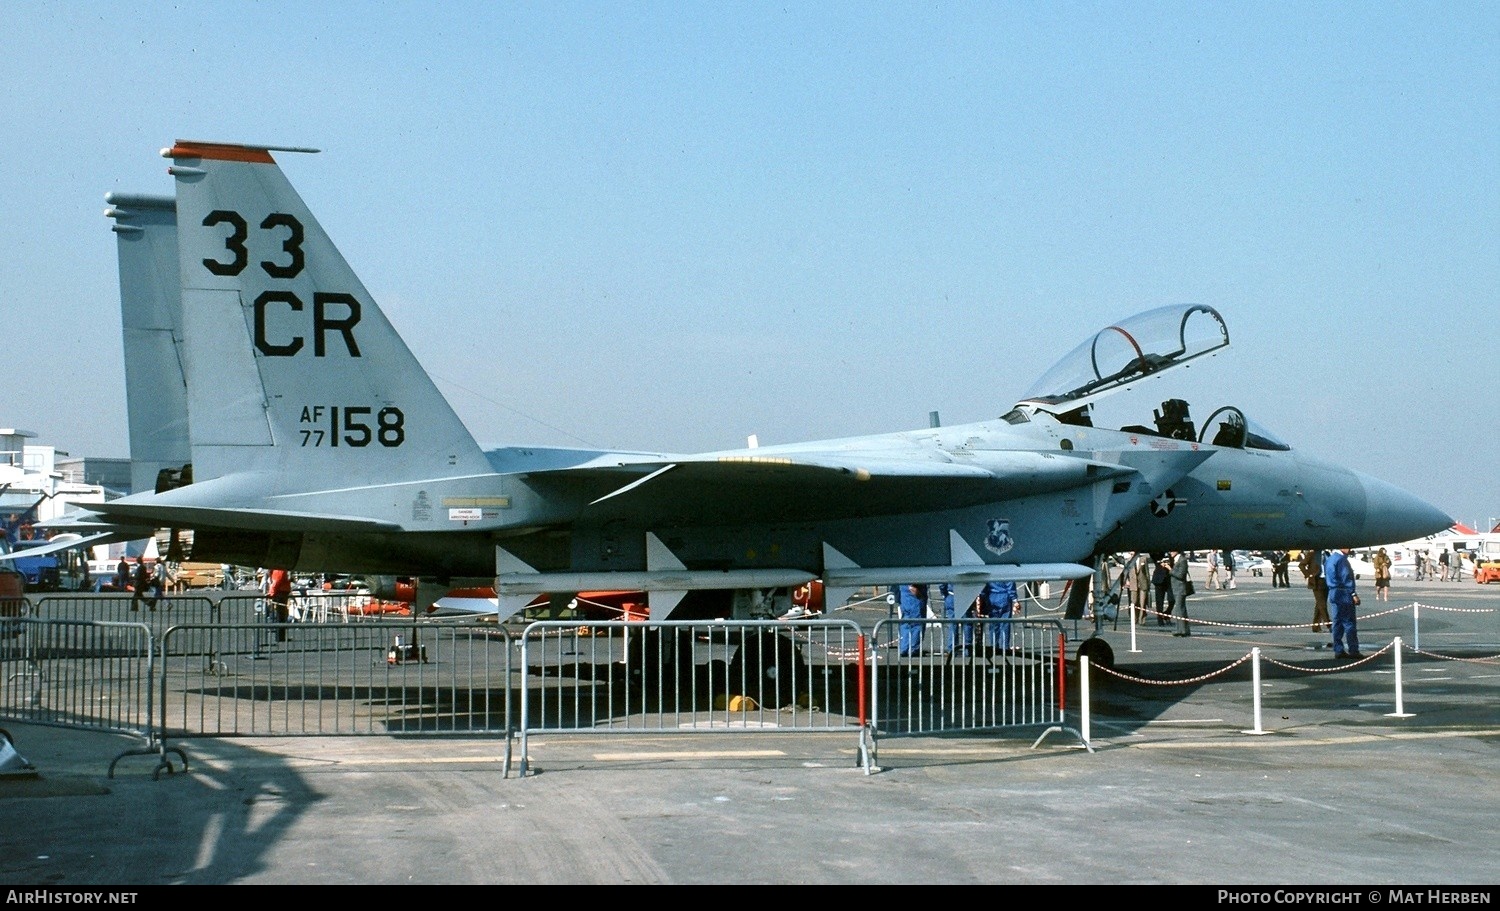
(292, 368)
(151, 312)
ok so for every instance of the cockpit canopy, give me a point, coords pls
(1128, 351)
(1144, 346)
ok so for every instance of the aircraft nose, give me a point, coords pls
(1392, 514)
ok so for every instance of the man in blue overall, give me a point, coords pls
(1342, 599)
(913, 606)
(999, 602)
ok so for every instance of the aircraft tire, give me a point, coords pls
(1097, 651)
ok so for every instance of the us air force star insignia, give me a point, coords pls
(1164, 503)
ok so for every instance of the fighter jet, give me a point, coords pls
(318, 442)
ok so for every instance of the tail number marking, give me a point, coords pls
(349, 425)
(239, 254)
(324, 321)
(333, 312)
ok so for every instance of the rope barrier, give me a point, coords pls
(1172, 617)
(1482, 659)
(1201, 678)
(1453, 610)
(1326, 669)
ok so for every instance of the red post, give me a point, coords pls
(862, 668)
(1062, 674)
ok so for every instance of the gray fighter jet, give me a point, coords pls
(318, 442)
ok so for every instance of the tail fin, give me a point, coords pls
(292, 368)
(151, 312)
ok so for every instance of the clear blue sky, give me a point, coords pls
(672, 225)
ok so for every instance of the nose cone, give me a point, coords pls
(1392, 514)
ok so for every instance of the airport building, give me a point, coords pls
(40, 482)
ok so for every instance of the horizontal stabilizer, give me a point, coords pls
(171, 516)
(88, 522)
(64, 542)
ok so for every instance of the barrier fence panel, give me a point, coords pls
(117, 608)
(301, 679)
(966, 674)
(691, 677)
(77, 673)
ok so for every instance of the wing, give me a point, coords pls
(64, 542)
(818, 485)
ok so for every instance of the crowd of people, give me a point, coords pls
(1159, 586)
(997, 600)
(1447, 566)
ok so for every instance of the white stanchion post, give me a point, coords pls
(1255, 683)
(1416, 627)
(1083, 697)
(1400, 711)
(1133, 649)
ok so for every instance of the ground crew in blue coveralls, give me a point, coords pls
(913, 600)
(998, 600)
(1342, 600)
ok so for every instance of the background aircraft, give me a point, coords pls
(318, 442)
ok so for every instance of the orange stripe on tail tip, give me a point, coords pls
(218, 151)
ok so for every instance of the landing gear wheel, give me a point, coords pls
(1098, 652)
(766, 666)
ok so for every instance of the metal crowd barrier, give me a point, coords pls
(77, 673)
(307, 679)
(82, 674)
(117, 608)
(969, 674)
(694, 677)
(187, 670)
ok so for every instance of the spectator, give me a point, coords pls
(1181, 580)
(142, 583)
(1161, 579)
(159, 583)
(280, 590)
(1311, 566)
(1281, 562)
(1140, 586)
(1382, 563)
(167, 574)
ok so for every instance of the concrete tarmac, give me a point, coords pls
(1183, 786)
